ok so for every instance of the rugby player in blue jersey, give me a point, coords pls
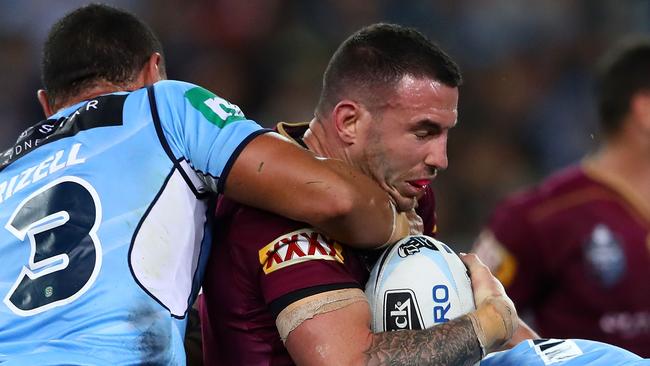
(103, 203)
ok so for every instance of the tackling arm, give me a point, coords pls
(273, 174)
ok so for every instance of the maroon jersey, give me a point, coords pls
(259, 264)
(575, 251)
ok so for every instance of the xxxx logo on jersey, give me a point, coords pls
(215, 109)
(297, 247)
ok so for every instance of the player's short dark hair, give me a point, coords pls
(379, 56)
(95, 43)
(623, 72)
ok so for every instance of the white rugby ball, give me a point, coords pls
(417, 283)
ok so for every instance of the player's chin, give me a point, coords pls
(405, 202)
(411, 191)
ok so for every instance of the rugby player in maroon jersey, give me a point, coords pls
(575, 250)
(278, 292)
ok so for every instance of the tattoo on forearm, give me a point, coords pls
(452, 343)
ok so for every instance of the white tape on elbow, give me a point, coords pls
(296, 313)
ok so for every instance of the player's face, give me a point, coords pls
(405, 140)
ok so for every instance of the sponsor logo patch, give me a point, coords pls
(214, 108)
(556, 350)
(297, 247)
(401, 311)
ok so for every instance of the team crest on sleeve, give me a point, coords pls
(297, 247)
(214, 108)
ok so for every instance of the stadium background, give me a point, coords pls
(526, 106)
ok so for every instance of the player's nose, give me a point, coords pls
(437, 154)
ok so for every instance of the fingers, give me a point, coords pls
(484, 284)
(401, 226)
(471, 260)
(496, 316)
(406, 223)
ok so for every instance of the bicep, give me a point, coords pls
(276, 175)
(335, 337)
(270, 173)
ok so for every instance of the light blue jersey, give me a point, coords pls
(567, 352)
(103, 225)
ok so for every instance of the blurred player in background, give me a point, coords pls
(104, 202)
(388, 101)
(575, 250)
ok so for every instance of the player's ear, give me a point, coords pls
(346, 116)
(41, 94)
(153, 70)
(640, 106)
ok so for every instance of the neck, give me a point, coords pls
(628, 160)
(322, 144)
(93, 92)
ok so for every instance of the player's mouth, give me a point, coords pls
(419, 184)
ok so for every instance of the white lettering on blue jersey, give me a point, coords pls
(35, 173)
(217, 105)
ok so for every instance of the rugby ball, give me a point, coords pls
(417, 283)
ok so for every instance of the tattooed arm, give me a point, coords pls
(343, 336)
(452, 343)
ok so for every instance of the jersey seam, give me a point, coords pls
(165, 145)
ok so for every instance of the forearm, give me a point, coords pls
(363, 205)
(275, 175)
(462, 341)
(451, 343)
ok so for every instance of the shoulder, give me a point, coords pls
(174, 93)
(518, 222)
(174, 86)
(252, 227)
(278, 241)
(558, 189)
(182, 90)
(227, 208)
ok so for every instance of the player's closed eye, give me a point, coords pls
(425, 134)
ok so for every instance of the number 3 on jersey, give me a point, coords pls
(60, 220)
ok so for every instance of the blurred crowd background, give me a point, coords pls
(526, 106)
